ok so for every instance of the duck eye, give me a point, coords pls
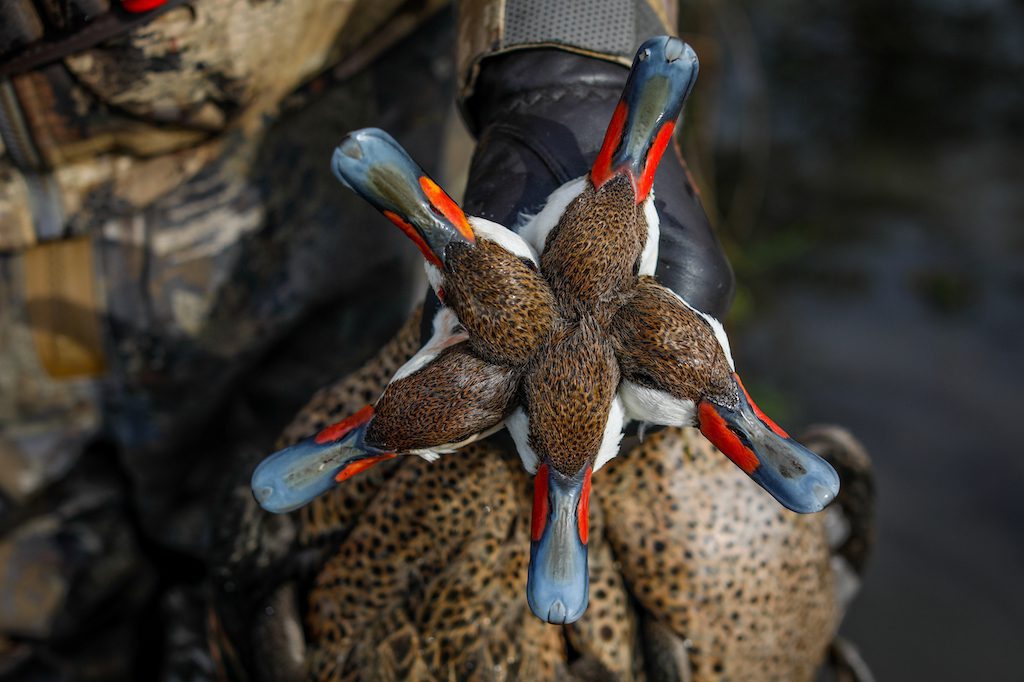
(529, 263)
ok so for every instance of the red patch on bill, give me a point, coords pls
(714, 428)
(412, 234)
(447, 207)
(602, 169)
(540, 503)
(583, 510)
(139, 6)
(361, 465)
(661, 141)
(338, 431)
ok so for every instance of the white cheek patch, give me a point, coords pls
(435, 278)
(649, 257)
(612, 434)
(656, 407)
(447, 332)
(504, 237)
(518, 425)
(535, 229)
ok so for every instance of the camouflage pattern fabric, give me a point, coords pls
(199, 225)
(182, 252)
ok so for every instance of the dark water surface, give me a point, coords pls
(882, 288)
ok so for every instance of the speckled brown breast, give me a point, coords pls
(594, 251)
(452, 398)
(568, 393)
(505, 304)
(745, 584)
(653, 330)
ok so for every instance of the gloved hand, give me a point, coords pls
(540, 116)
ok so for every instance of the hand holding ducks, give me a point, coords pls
(561, 349)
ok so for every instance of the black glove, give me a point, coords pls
(540, 116)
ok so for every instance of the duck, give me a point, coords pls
(460, 385)
(558, 332)
(652, 332)
(471, 263)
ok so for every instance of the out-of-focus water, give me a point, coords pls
(882, 288)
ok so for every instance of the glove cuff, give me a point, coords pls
(609, 30)
(545, 83)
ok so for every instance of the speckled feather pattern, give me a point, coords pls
(427, 563)
(664, 345)
(568, 392)
(504, 303)
(452, 398)
(594, 251)
(712, 555)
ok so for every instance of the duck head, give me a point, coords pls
(569, 425)
(292, 477)
(663, 73)
(375, 166)
(600, 231)
(558, 582)
(792, 474)
(678, 370)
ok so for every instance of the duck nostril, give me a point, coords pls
(557, 613)
(673, 49)
(351, 149)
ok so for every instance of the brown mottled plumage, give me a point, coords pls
(503, 302)
(705, 551)
(426, 562)
(568, 390)
(592, 254)
(455, 396)
(665, 345)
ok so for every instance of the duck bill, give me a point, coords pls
(664, 71)
(375, 166)
(558, 583)
(293, 477)
(792, 474)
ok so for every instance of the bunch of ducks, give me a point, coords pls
(558, 332)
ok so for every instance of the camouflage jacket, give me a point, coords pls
(165, 209)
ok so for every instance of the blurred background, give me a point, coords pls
(862, 162)
(867, 166)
